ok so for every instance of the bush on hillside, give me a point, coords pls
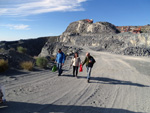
(21, 49)
(3, 65)
(2, 50)
(41, 62)
(28, 65)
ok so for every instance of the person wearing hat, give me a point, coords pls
(60, 60)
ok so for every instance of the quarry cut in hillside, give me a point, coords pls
(101, 36)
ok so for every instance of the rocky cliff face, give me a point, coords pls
(86, 29)
(79, 33)
(104, 36)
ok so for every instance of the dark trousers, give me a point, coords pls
(59, 67)
(75, 70)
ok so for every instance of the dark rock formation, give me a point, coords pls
(34, 46)
(51, 49)
(137, 51)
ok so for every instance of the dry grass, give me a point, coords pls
(53, 58)
(3, 65)
(27, 65)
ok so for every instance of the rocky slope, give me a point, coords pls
(100, 36)
(104, 36)
(33, 46)
(15, 58)
(78, 34)
(8, 50)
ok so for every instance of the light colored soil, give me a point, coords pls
(119, 84)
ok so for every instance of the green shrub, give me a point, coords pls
(3, 65)
(27, 65)
(41, 62)
(21, 49)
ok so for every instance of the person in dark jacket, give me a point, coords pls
(89, 61)
(60, 60)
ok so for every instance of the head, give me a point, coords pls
(87, 54)
(59, 50)
(76, 55)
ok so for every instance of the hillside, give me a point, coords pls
(99, 36)
(104, 36)
(33, 46)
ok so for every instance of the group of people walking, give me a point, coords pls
(75, 62)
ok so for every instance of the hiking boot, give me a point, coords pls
(59, 75)
(61, 71)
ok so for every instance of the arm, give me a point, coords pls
(71, 62)
(84, 61)
(64, 57)
(79, 61)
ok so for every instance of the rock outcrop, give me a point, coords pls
(104, 36)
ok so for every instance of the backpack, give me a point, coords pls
(93, 60)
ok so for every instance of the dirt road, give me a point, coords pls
(119, 84)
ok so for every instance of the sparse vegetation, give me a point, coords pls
(3, 65)
(41, 62)
(28, 65)
(21, 49)
(2, 50)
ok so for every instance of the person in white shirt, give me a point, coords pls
(76, 61)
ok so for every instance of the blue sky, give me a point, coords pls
(24, 19)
